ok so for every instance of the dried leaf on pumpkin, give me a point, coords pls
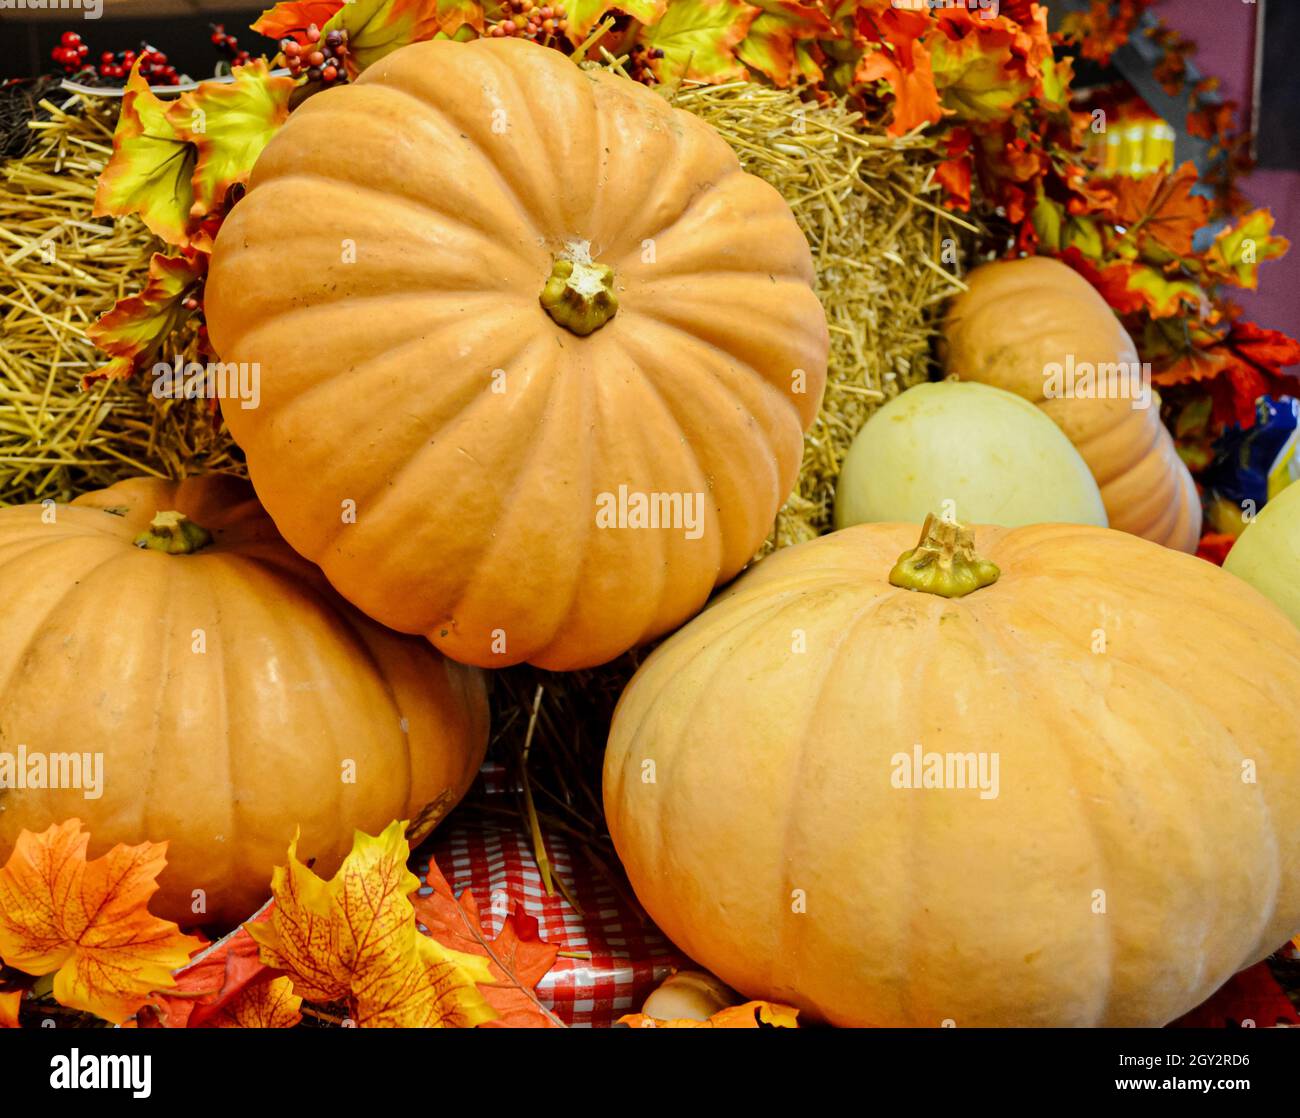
(518, 958)
(354, 939)
(751, 1015)
(88, 922)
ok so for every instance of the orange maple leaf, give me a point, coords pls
(292, 18)
(517, 958)
(264, 1005)
(751, 1015)
(354, 939)
(88, 922)
(1161, 207)
(214, 978)
(908, 74)
(9, 1003)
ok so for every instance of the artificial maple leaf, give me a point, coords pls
(1239, 249)
(9, 1004)
(291, 19)
(264, 1005)
(354, 939)
(517, 957)
(779, 27)
(751, 1015)
(954, 173)
(88, 922)
(1161, 208)
(229, 123)
(906, 71)
(151, 166)
(699, 39)
(1131, 288)
(976, 75)
(583, 15)
(136, 328)
(213, 979)
(378, 27)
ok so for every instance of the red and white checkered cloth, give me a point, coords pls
(628, 955)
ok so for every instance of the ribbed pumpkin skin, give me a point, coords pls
(221, 753)
(475, 509)
(1119, 771)
(1019, 316)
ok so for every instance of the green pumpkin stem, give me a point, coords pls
(579, 295)
(943, 562)
(173, 533)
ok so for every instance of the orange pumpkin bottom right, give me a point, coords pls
(1047, 776)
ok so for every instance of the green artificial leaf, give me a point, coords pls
(151, 166)
(699, 39)
(774, 36)
(229, 123)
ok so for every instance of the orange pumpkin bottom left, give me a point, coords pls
(218, 693)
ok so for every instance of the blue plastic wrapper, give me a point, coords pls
(1253, 466)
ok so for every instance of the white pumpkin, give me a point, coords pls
(980, 454)
(1268, 553)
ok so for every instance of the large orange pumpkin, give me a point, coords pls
(1142, 839)
(1019, 318)
(511, 317)
(232, 695)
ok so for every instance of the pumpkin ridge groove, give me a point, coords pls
(1150, 672)
(726, 357)
(791, 824)
(55, 606)
(754, 614)
(492, 239)
(487, 162)
(523, 464)
(347, 386)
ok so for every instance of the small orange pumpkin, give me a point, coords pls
(231, 694)
(532, 313)
(1020, 317)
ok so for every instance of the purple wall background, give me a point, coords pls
(1224, 32)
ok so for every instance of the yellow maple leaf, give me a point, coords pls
(354, 938)
(264, 1005)
(88, 922)
(751, 1015)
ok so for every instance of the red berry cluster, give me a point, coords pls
(526, 20)
(70, 53)
(638, 65)
(154, 67)
(321, 58)
(228, 45)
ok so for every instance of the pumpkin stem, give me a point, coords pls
(943, 562)
(579, 293)
(173, 533)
